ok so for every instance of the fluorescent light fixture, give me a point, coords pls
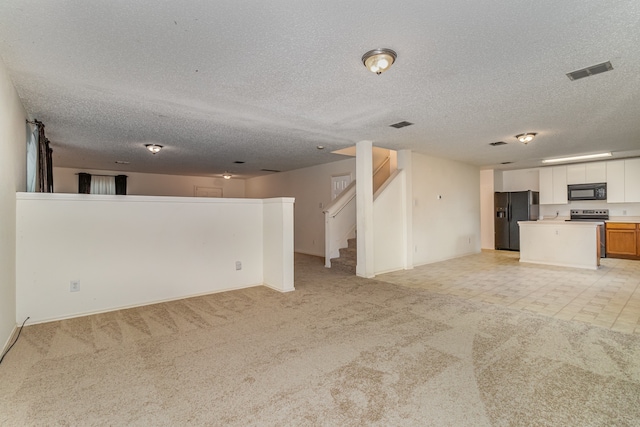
(572, 158)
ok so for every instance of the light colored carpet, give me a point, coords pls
(340, 350)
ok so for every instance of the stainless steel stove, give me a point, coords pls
(593, 215)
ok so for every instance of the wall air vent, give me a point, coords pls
(495, 144)
(269, 170)
(401, 125)
(590, 71)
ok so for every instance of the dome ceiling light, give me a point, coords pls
(154, 148)
(227, 175)
(379, 60)
(526, 138)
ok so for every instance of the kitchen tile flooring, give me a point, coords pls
(608, 297)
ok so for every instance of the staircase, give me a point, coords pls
(348, 258)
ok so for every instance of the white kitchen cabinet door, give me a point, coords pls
(595, 172)
(632, 180)
(576, 174)
(546, 186)
(615, 181)
(559, 185)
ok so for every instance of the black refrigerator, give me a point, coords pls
(511, 207)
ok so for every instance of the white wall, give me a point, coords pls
(389, 215)
(13, 171)
(135, 250)
(448, 227)
(65, 180)
(487, 218)
(311, 187)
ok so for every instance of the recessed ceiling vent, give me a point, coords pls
(269, 170)
(590, 71)
(401, 125)
(238, 162)
(495, 144)
(506, 163)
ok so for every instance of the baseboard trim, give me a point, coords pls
(107, 310)
(7, 344)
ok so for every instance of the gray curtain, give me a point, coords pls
(45, 161)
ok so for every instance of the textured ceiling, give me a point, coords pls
(265, 82)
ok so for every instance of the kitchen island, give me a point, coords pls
(561, 243)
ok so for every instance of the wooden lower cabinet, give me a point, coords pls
(623, 240)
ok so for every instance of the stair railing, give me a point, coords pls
(339, 223)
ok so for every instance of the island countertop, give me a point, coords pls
(561, 243)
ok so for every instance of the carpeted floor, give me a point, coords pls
(340, 350)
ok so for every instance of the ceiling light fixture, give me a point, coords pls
(526, 138)
(379, 60)
(154, 148)
(227, 175)
(572, 158)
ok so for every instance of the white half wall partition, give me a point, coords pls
(125, 251)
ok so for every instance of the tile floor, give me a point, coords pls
(608, 297)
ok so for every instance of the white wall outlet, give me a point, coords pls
(238, 265)
(624, 212)
(74, 286)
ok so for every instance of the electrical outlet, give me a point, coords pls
(557, 213)
(238, 265)
(74, 286)
(624, 212)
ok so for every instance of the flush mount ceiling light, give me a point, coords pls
(227, 175)
(379, 60)
(526, 138)
(572, 158)
(154, 148)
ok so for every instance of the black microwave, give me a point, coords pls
(587, 191)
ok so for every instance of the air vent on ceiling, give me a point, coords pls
(238, 162)
(401, 124)
(269, 170)
(495, 144)
(590, 71)
(506, 163)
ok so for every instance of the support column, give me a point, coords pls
(364, 208)
(405, 163)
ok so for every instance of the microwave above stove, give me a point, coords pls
(596, 191)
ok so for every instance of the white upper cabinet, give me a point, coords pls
(615, 181)
(546, 186)
(595, 172)
(632, 180)
(553, 185)
(587, 173)
(560, 185)
(576, 174)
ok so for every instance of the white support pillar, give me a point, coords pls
(405, 163)
(364, 208)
